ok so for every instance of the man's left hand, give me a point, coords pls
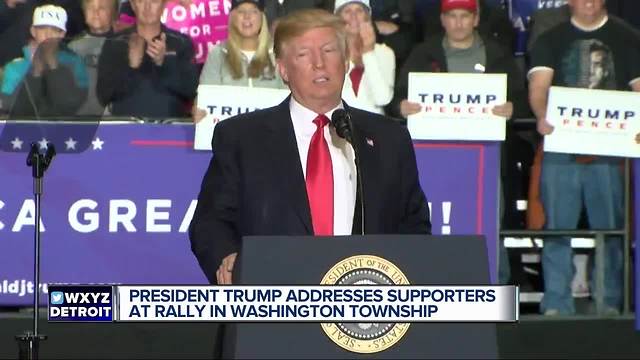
(224, 272)
(157, 49)
(504, 110)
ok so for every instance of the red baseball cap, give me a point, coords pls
(448, 5)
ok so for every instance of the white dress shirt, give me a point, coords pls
(342, 160)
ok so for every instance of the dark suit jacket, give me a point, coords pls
(255, 184)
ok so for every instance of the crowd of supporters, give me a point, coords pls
(114, 57)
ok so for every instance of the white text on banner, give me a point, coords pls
(353, 303)
(593, 122)
(222, 102)
(457, 106)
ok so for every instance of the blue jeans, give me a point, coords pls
(565, 186)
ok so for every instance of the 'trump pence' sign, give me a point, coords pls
(593, 122)
(457, 106)
(222, 102)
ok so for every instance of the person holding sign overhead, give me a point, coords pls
(592, 52)
(245, 59)
(284, 171)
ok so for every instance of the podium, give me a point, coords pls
(306, 260)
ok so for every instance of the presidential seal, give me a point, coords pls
(365, 338)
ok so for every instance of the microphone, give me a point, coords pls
(341, 121)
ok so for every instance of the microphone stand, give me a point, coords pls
(29, 341)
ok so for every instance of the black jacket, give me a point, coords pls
(429, 56)
(255, 184)
(151, 90)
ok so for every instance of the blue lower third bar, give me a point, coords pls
(79, 303)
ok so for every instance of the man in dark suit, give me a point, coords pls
(284, 171)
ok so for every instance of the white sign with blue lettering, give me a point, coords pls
(222, 102)
(593, 122)
(456, 106)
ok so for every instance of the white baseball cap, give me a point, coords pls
(50, 15)
(340, 3)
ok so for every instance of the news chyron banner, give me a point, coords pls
(335, 308)
(457, 106)
(221, 102)
(372, 303)
(593, 122)
(349, 303)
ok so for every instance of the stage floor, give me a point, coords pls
(534, 337)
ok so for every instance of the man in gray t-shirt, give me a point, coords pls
(460, 50)
(99, 16)
(465, 60)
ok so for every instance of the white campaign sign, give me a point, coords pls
(593, 122)
(222, 102)
(457, 106)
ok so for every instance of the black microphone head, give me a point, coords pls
(341, 121)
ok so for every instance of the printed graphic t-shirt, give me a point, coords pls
(606, 58)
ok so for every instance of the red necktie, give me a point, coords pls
(356, 76)
(320, 180)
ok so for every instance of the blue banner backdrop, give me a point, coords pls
(119, 211)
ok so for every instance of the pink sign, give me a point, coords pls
(205, 21)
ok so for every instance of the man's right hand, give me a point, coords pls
(409, 108)
(544, 128)
(198, 114)
(136, 50)
(223, 275)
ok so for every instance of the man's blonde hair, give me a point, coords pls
(299, 22)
